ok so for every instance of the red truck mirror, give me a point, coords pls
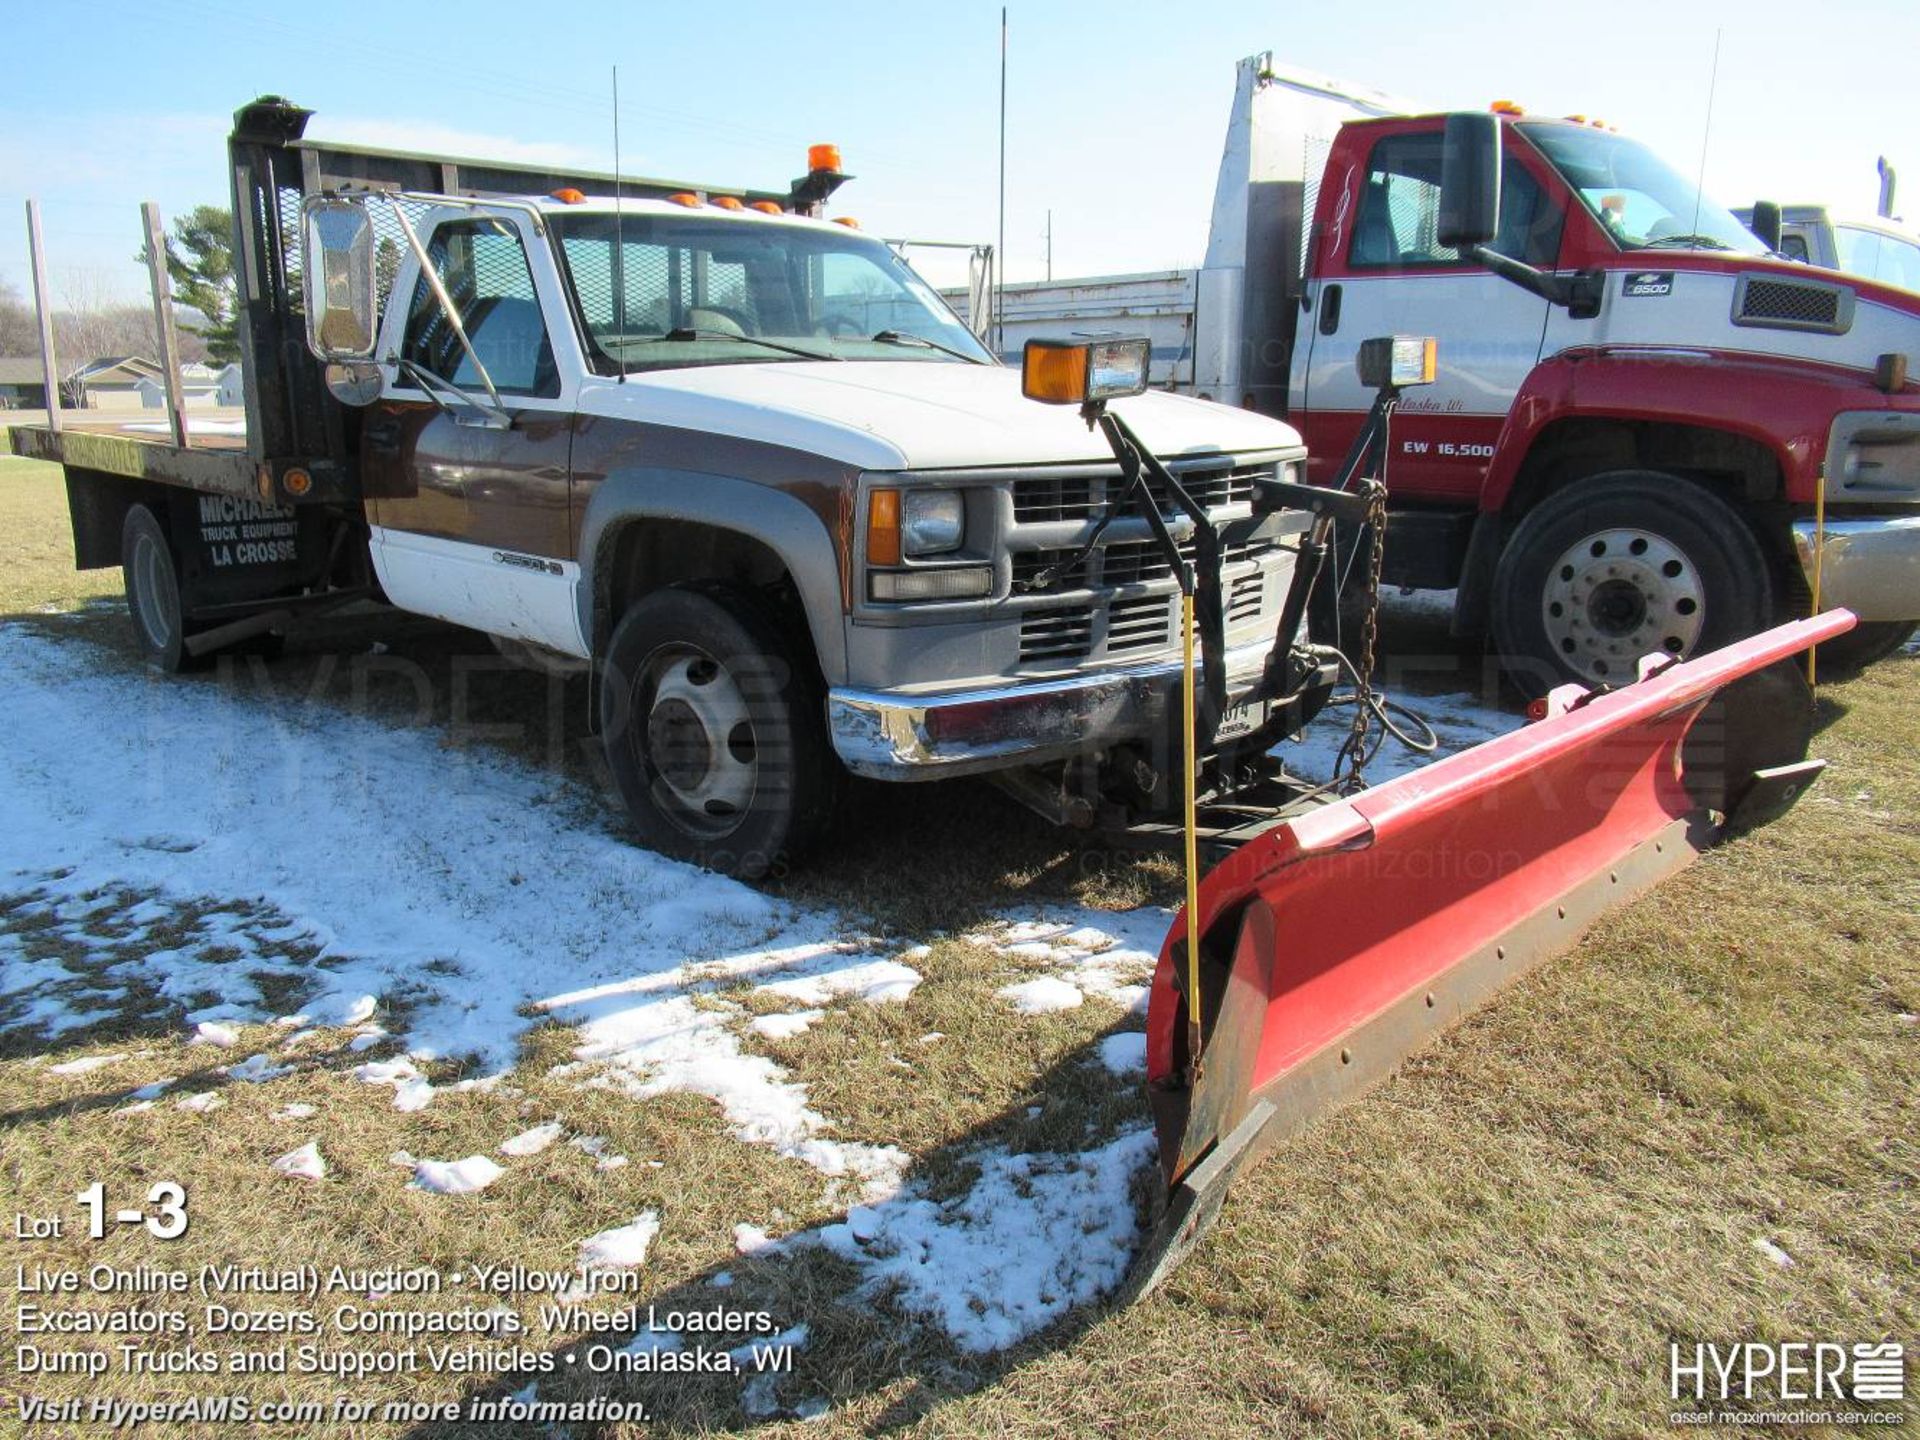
(1470, 180)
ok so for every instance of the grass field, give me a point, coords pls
(1702, 1124)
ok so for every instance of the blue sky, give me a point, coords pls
(1115, 115)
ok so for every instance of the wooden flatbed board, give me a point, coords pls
(214, 460)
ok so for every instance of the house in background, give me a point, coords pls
(110, 384)
(22, 387)
(201, 387)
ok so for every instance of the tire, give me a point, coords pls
(1867, 643)
(1621, 565)
(154, 599)
(715, 732)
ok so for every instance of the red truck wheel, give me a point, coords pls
(1622, 565)
(715, 737)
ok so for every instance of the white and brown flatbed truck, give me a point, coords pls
(657, 430)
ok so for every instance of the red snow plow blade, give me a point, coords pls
(1335, 943)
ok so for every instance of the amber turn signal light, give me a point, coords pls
(883, 527)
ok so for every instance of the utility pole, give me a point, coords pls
(1000, 249)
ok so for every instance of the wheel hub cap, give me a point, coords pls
(700, 743)
(1617, 595)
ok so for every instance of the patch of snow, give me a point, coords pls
(455, 1177)
(1036, 1236)
(623, 1247)
(85, 1064)
(206, 1100)
(531, 1142)
(722, 1280)
(752, 1240)
(414, 1094)
(786, 1025)
(1041, 996)
(298, 1110)
(212, 1032)
(1106, 954)
(652, 1340)
(745, 1355)
(1773, 1252)
(257, 1070)
(461, 951)
(366, 1040)
(302, 1164)
(1125, 1053)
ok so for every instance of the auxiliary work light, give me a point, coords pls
(1079, 372)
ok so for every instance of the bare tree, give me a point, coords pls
(18, 333)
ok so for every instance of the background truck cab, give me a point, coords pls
(1636, 405)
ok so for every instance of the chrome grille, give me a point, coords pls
(1140, 623)
(1062, 632)
(1038, 499)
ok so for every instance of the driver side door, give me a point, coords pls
(471, 524)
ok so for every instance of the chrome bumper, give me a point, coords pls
(887, 735)
(1872, 567)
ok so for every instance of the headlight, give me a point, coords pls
(932, 521)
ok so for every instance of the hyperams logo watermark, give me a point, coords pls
(1795, 1382)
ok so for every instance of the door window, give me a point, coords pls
(483, 265)
(1400, 210)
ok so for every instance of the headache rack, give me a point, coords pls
(292, 423)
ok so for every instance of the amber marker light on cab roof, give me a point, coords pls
(728, 202)
(846, 220)
(883, 527)
(766, 207)
(568, 196)
(691, 201)
(1506, 107)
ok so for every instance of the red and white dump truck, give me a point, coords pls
(742, 465)
(1647, 433)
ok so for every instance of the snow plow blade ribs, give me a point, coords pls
(1336, 943)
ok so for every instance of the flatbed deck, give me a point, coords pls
(215, 460)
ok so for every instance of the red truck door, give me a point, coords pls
(1378, 270)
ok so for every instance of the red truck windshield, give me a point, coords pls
(1641, 201)
(702, 291)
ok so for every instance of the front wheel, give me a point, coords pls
(1866, 644)
(716, 738)
(1620, 566)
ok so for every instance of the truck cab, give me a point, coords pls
(1644, 427)
(1646, 435)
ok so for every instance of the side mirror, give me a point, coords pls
(1469, 181)
(1766, 223)
(337, 261)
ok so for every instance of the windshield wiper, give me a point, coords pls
(1693, 242)
(688, 334)
(901, 337)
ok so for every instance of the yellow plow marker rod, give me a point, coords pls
(1192, 821)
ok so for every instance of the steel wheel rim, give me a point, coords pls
(154, 604)
(1617, 595)
(696, 742)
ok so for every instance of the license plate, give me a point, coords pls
(1242, 719)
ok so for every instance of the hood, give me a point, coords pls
(916, 415)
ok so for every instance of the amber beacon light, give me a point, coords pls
(1079, 372)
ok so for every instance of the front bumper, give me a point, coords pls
(891, 735)
(1870, 566)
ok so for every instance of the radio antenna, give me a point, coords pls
(617, 271)
(1700, 190)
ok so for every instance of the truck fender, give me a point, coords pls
(785, 525)
(1783, 407)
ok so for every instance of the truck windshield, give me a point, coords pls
(678, 292)
(1640, 200)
